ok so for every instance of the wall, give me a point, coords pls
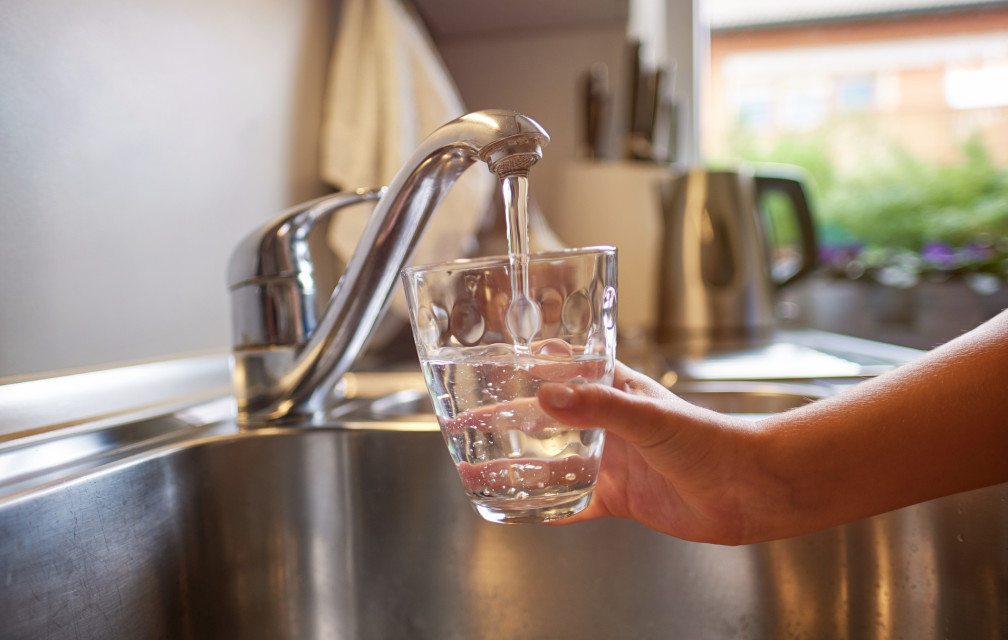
(138, 143)
(535, 66)
(537, 74)
(537, 69)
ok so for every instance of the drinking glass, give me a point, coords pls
(489, 332)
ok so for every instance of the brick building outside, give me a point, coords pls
(922, 74)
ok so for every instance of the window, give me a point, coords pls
(898, 110)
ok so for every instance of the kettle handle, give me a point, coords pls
(795, 191)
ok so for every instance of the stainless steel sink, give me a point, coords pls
(193, 529)
(750, 399)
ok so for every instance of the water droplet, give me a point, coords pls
(570, 477)
(960, 538)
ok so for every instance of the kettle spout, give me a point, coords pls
(293, 376)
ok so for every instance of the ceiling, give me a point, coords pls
(460, 18)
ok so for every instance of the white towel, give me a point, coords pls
(388, 89)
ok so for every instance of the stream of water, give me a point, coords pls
(524, 317)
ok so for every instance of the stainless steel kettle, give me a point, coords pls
(718, 279)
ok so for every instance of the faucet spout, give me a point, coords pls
(296, 378)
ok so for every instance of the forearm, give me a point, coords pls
(931, 428)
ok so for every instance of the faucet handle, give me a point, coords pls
(272, 274)
(276, 248)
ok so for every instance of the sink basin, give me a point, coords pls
(360, 529)
(339, 533)
(751, 399)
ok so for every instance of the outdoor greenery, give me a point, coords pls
(897, 217)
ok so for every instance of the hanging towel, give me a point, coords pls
(387, 90)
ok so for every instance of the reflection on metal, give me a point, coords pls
(176, 524)
(42, 404)
(329, 532)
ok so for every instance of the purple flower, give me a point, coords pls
(975, 253)
(838, 256)
(938, 254)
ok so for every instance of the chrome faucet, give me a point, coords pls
(290, 350)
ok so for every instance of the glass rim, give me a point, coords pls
(505, 259)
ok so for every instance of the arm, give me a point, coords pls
(933, 427)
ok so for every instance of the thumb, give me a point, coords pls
(638, 419)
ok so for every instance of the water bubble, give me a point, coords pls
(479, 450)
(570, 477)
(521, 495)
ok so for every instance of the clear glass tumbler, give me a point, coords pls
(489, 332)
